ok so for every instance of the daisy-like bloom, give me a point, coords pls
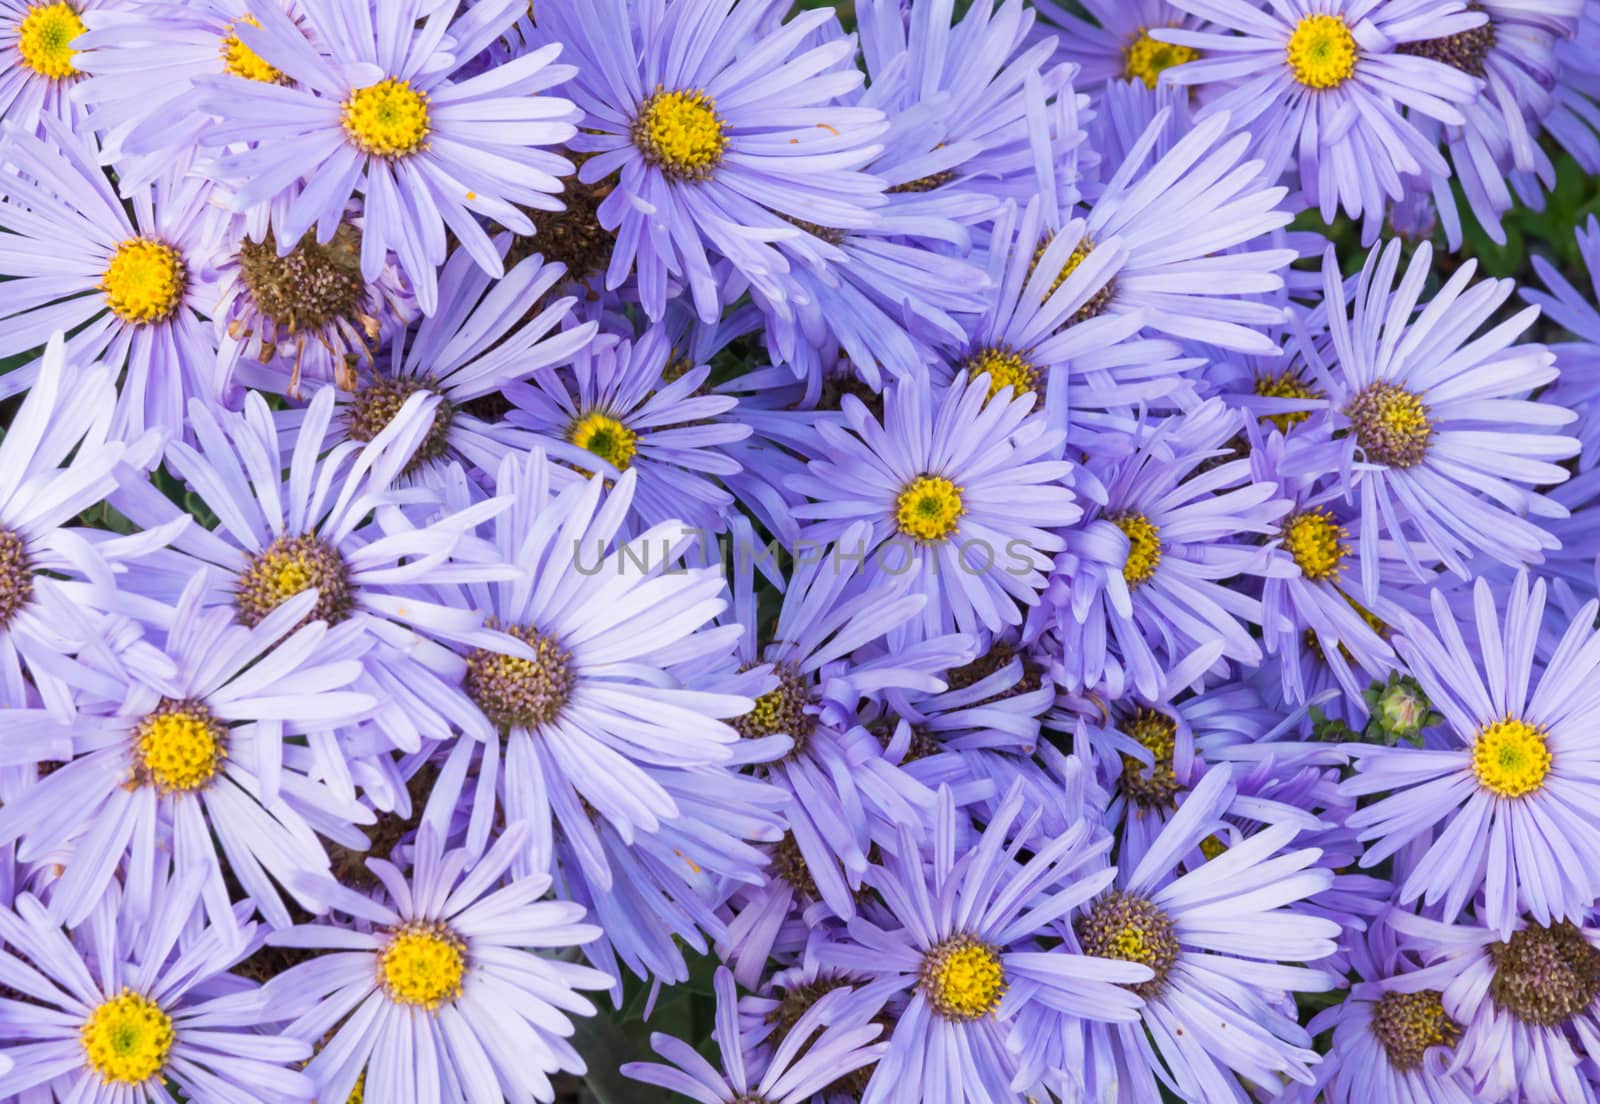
(611, 630)
(309, 310)
(1042, 335)
(1117, 45)
(133, 1002)
(1512, 786)
(1574, 121)
(39, 55)
(655, 897)
(1390, 1040)
(1575, 311)
(126, 287)
(200, 754)
(815, 664)
(280, 533)
(727, 138)
(1216, 935)
(1513, 53)
(436, 992)
(621, 403)
(44, 563)
(142, 58)
(1321, 84)
(1310, 610)
(1148, 578)
(1207, 286)
(485, 337)
(962, 491)
(963, 943)
(378, 110)
(812, 1055)
(1526, 1003)
(1436, 430)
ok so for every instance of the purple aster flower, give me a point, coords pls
(961, 936)
(142, 58)
(329, 522)
(1574, 311)
(39, 55)
(812, 1055)
(1574, 120)
(634, 406)
(308, 311)
(727, 138)
(1321, 84)
(1117, 45)
(963, 492)
(126, 287)
(484, 337)
(1310, 609)
(199, 754)
(1208, 286)
(55, 464)
(610, 629)
(137, 1000)
(655, 896)
(847, 796)
(436, 992)
(1512, 784)
(1390, 1040)
(1441, 439)
(374, 107)
(1045, 332)
(1147, 579)
(1527, 1002)
(1513, 54)
(1217, 937)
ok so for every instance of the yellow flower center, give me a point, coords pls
(1131, 928)
(45, 38)
(1005, 368)
(1322, 52)
(358, 1095)
(1408, 1024)
(287, 566)
(422, 965)
(1144, 547)
(1212, 846)
(1510, 757)
(387, 119)
(127, 1038)
(606, 437)
(241, 61)
(521, 693)
(962, 979)
(681, 133)
(1391, 425)
(1316, 542)
(1157, 784)
(929, 508)
(145, 281)
(179, 748)
(1146, 59)
(1098, 302)
(1285, 385)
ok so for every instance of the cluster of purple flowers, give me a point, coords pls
(505, 505)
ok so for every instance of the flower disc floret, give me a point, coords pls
(1322, 52)
(1131, 928)
(145, 281)
(1511, 758)
(45, 37)
(1144, 547)
(514, 692)
(1317, 542)
(389, 119)
(681, 133)
(606, 437)
(127, 1038)
(287, 566)
(1409, 1024)
(962, 978)
(1145, 59)
(179, 747)
(1545, 975)
(422, 965)
(929, 508)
